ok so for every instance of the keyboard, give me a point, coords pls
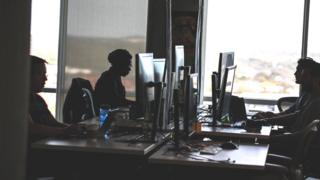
(239, 124)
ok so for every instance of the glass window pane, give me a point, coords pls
(314, 31)
(266, 38)
(45, 20)
(95, 28)
(50, 99)
(45, 35)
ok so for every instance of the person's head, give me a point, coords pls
(38, 74)
(305, 71)
(120, 60)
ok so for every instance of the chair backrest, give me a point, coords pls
(306, 137)
(78, 105)
(285, 102)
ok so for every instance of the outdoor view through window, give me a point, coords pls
(265, 36)
(266, 39)
(44, 42)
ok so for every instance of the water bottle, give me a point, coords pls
(103, 114)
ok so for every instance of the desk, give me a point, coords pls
(234, 132)
(95, 145)
(90, 158)
(248, 158)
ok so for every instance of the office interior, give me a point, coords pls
(139, 26)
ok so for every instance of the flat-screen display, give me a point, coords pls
(159, 65)
(226, 59)
(226, 92)
(178, 60)
(191, 101)
(144, 75)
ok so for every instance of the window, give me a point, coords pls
(314, 29)
(266, 38)
(92, 36)
(44, 43)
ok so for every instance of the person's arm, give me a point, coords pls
(51, 121)
(36, 129)
(40, 130)
(283, 120)
(291, 109)
(263, 115)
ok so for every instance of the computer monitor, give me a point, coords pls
(144, 75)
(191, 102)
(169, 102)
(223, 106)
(214, 94)
(226, 59)
(179, 60)
(159, 68)
(159, 65)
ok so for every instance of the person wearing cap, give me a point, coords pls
(109, 89)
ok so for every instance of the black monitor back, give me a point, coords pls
(226, 59)
(224, 101)
(191, 102)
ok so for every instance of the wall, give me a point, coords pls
(14, 69)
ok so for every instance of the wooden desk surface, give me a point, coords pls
(234, 132)
(247, 157)
(96, 145)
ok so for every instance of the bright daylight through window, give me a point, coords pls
(266, 38)
(44, 41)
(314, 30)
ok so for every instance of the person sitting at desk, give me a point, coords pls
(299, 119)
(109, 88)
(41, 122)
(282, 142)
(303, 75)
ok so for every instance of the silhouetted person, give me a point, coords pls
(109, 89)
(284, 143)
(41, 122)
(300, 118)
(303, 75)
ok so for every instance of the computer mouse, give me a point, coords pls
(229, 145)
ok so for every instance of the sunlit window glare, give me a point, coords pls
(266, 39)
(44, 41)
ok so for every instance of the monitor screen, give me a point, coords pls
(191, 101)
(144, 75)
(159, 65)
(179, 59)
(226, 59)
(226, 92)
(159, 68)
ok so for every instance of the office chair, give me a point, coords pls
(284, 103)
(293, 167)
(78, 105)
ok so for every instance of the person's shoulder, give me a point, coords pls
(37, 97)
(103, 76)
(37, 100)
(313, 105)
(316, 100)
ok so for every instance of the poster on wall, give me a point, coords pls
(184, 30)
